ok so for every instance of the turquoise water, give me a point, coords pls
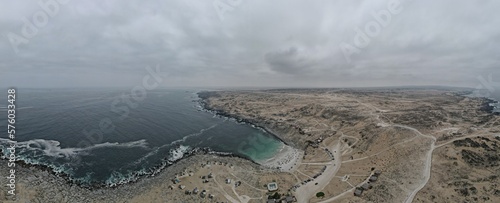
(263, 147)
(95, 136)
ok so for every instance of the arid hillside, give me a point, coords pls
(406, 134)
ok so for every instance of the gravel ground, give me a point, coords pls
(35, 184)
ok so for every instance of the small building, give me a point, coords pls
(377, 173)
(271, 201)
(358, 192)
(195, 190)
(187, 192)
(272, 187)
(373, 178)
(228, 181)
(211, 196)
(182, 187)
(365, 186)
(210, 175)
(289, 199)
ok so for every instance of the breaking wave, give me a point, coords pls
(157, 150)
(178, 153)
(52, 148)
(121, 159)
(192, 135)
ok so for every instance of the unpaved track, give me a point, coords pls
(305, 192)
(427, 174)
(428, 164)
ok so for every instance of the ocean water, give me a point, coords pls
(105, 136)
(493, 93)
(496, 96)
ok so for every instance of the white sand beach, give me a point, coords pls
(287, 159)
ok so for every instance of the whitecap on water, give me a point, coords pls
(178, 153)
(52, 148)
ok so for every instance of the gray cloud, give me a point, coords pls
(259, 43)
(291, 61)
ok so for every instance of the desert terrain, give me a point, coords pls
(348, 134)
(343, 145)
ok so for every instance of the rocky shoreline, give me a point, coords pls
(155, 170)
(486, 106)
(40, 184)
(204, 103)
(489, 105)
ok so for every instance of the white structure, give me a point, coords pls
(272, 187)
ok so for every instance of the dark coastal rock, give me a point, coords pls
(487, 106)
(48, 187)
(204, 96)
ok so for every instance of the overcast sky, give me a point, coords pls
(238, 43)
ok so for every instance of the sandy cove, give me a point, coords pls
(287, 159)
(36, 183)
(316, 120)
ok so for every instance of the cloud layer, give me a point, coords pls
(287, 43)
